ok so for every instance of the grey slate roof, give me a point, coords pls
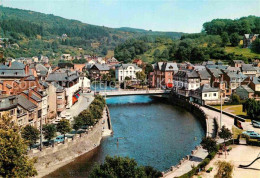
(216, 72)
(15, 70)
(256, 80)
(206, 88)
(25, 103)
(224, 67)
(204, 74)
(245, 87)
(101, 67)
(124, 66)
(248, 67)
(62, 76)
(170, 66)
(41, 69)
(236, 77)
(187, 73)
(238, 61)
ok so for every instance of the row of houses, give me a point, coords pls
(205, 83)
(36, 93)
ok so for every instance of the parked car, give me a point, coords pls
(256, 123)
(252, 134)
(59, 139)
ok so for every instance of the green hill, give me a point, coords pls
(32, 33)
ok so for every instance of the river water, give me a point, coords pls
(149, 130)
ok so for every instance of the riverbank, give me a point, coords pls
(198, 154)
(52, 158)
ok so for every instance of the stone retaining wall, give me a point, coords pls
(52, 158)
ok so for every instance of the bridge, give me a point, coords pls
(125, 92)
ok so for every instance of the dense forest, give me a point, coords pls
(31, 33)
(220, 39)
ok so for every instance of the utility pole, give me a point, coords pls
(41, 134)
(221, 101)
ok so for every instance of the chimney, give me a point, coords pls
(27, 69)
(29, 93)
(10, 64)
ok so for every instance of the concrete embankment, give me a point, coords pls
(52, 158)
(198, 154)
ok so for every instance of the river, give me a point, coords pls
(150, 130)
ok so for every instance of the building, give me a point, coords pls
(204, 77)
(70, 82)
(8, 106)
(206, 95)
(185, 81)
(97, 70)
(126, 70)
(112, 61)
(249, 70)
(245, 92)
(237, 63)
(255, 84)
(248, 39)
(163, 74)
(234, 79)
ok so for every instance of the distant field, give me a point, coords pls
(244, 51)
(234, 109)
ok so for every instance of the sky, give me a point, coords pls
(157, 15)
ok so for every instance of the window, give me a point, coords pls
(205, 95)
(215, 94)
(11, 112)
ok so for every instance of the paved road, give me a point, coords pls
(82, 104)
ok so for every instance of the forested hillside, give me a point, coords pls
(32, 33)
(220, 39)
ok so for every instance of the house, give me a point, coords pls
(204, 77)
(255, 84)
(234, 79)
(163, 74)
(97, 70)
(245, 92)
(217, 81)
(26, 112)
(79, 67)
(237, 63)
(112, 61)
(66, 57)
(206, 63)
(71, 82)
(8, 106)
(42, 71)
(206, 95)
(249, 70)
(138, 62)
(248, 39)
(126, 70)
(185, 81)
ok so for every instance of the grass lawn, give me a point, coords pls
(244, 51)
(234, 109)
(236, 131)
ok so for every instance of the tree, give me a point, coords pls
(255, 47)
(78, 123)
(49, 131)
(30, 134)
(235, 99)
(225, 169)
(64, 127)
(234, 39)
(13, 150)
(148, 69)
(224, 38)
(225, 133)
(87, 117)
(123, 167)
(209, 144)
(252, 107)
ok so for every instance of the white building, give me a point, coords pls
(126, 70)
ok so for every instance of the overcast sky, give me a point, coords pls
(157, 15)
